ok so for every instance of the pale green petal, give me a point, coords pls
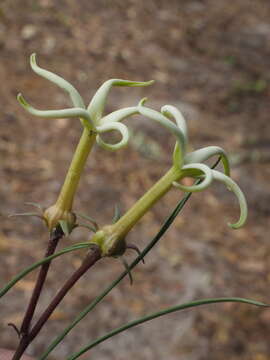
(173, 112)
(119, 115)
(205, 154)
(195, 170)
(238, 192)
(113, 126)
(97, 104)
(164, 121)
(57, 80)
(56, 114)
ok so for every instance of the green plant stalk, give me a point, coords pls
(66, 196)
(161, 313)
(110, 237)
(62, 209)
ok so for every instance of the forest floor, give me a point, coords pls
(211, 60)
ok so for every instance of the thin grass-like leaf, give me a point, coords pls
(88, 218)
(161, 313)
(26, 271)
(27, 214)
(89, 227)
(37, 205)
(117, 214)
(124, 262)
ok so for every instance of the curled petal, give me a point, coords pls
(164, 121)
(97, 104)
(113, 126)
(195, 170)
(57, 114)
(238, 192)
(119, 115)
(57, 80)
(205, 154)
(172, 111)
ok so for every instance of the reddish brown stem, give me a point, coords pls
(53, 242)
(92, 257)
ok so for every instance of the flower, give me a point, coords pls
(94, 123)
(111, 238)
(91, 117)
(192, 164)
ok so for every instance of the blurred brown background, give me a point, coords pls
(209, 58)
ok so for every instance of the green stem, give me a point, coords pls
(131, 217)
(72, 179)
(110, 237)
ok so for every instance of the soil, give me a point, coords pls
(211, 60)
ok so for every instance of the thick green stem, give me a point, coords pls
(133, 215)
(72, 179)
(110, 238)
(62, 209)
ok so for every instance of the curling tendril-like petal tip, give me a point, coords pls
(239, 194)
(200, 168)
(22, 101)
(142, 101)
(33, 59)
(113, 126)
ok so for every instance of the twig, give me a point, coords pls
(92, 257)
(53, 242)
(55, 236)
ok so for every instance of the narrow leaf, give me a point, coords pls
(158, 314)
(90, 219)
(37, 205)
(127, 269)
(27, 214)
(89, 227)
(117, 214)
(26, 271)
